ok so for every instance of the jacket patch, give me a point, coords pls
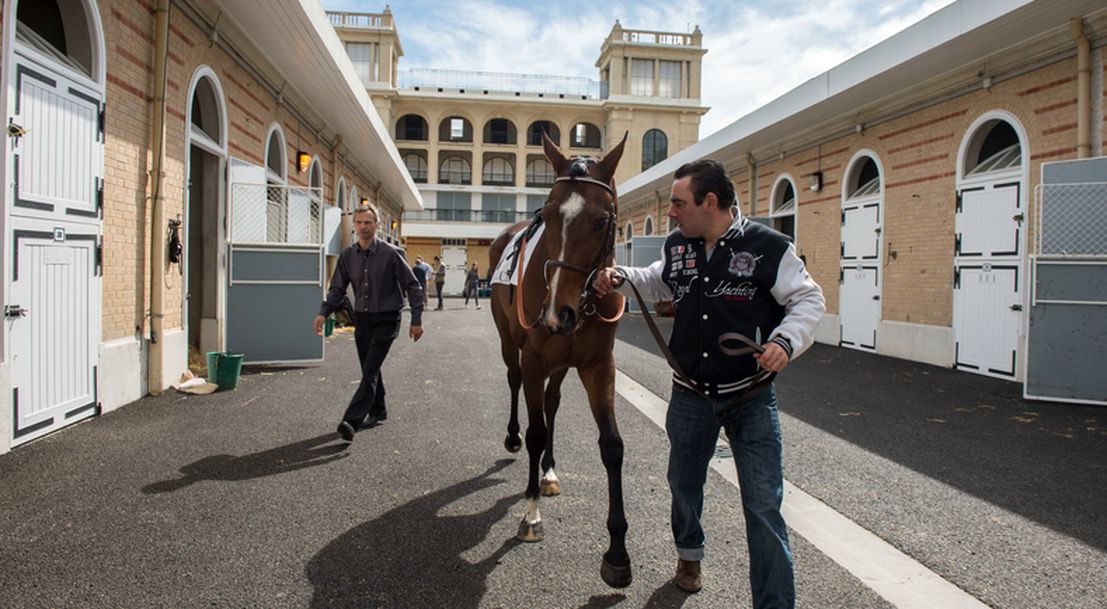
(742, 264)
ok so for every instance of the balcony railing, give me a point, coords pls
(466, 215)
(669, 38)
(500, 82)
(373, 21)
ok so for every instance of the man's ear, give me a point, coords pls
(711, 199)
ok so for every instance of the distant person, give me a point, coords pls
(379, 276)
(439, 280)
(472, 286)
(422, 272)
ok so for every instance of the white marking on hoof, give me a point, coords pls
(532, 516)
(549, 484)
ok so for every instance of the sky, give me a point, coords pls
(757, 50)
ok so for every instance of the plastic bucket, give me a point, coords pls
(328, 326)
(224, 368)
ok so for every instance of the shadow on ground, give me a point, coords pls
(319, 450)
(412, 556)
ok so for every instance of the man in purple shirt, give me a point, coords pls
(379, 275)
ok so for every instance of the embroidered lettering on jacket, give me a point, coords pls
(679, 290)
(742, 264)
(742, 291)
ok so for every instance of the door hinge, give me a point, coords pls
(956, 278)
(841, 275)
(958, 201)
(957, 244)
(100, 197)
(11, 311)
(99, 257)
(100, 124)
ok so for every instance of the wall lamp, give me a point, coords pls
(303, 160)
(815, 181)
(364, 202)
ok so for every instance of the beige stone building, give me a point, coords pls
(472, 141)
(907, 175)
(136, 125)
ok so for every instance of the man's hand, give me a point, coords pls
(607, 281)
(774, 359)
(319, 321)
(416, 332)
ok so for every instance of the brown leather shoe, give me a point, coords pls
(688, 576)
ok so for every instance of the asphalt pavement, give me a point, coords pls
(247, 498)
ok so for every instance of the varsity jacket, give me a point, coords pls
(753, 284)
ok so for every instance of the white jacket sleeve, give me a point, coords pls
(803, 303)
(648, 280)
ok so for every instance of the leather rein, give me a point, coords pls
(586, 304)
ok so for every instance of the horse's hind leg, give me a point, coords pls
(599, 381)
(550, 485)
(513, 441)
(534, 377)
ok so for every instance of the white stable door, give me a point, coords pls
(859, 286)
(986, 318)
(455, 258)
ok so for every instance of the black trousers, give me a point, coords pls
(438, 288)
(373, 334)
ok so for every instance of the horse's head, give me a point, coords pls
(580, 231)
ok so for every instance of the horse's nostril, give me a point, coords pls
(567, 317)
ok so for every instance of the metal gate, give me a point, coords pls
(988, 279)
(859, 275)
(275, 278)
(55, 194)
(1068, 301)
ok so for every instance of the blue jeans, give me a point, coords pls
(693, 424)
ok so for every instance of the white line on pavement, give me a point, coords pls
(895, 576)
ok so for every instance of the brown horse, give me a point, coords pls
(552, 321)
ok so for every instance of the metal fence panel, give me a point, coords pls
(276, 215)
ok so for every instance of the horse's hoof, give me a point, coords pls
(530, 532)
(513, 443)
(550, 488)
(616, 577)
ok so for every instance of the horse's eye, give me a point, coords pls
(599, 224)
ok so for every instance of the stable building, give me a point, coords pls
(472, 141)
(907, 176)
(173, 168)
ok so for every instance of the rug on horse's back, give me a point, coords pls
(507, 272)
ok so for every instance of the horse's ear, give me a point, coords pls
(610, 162)
(556, 158)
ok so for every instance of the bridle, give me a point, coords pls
(586, 304)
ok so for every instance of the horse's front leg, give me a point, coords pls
(599, 380)
(550, 485)
(510, 353)
(534, 377)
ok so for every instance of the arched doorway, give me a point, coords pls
(206, 143)
(54, 85)
(989, 244)
(859, 277)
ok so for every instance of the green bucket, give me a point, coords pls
(328, 326)
(224, 368)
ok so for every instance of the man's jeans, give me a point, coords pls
(373, 334)
(693, 427)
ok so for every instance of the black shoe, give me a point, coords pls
(374, 419)
(346, 431)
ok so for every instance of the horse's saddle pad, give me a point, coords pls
(507, 271)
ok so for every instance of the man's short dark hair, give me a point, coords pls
(708, 175)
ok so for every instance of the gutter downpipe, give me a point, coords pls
(1083, 90)
(752, 166)
(157, 211)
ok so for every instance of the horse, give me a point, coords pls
(552, 321)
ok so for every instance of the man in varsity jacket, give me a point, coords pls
(727, 275)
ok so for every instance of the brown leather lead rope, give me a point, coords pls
(751, 347)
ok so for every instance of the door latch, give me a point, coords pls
(15, 131)
(1016, 307)
(11, 311)
(1018, 217)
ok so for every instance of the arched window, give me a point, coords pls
(455, 129)
(59, 30)
(455, 170)
(585, 135)
(995, 147)
(537, 128)
(355, 200)
(628, 232)
(206, 111)
(655, 148)
(863, 180)
(498, 172)
(340, 195)
(275, 165)
(648, 230)
(411, 127)
(540, 173)
(416, 163)
(499, 131)
(315, 178)
(782, 208)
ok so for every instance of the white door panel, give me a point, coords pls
(455, 258)
(860, 307)
(861, 232)
(989, 221)
(986, 318)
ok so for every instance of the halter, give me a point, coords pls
(587, 308)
